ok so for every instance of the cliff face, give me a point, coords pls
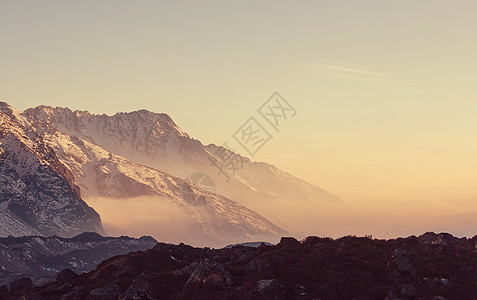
(37, 192)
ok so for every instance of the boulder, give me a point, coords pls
(66, 275)
(403, 265)
(288, 242)
(109, 292)
(208, 273)
(269, 289)
(143, 287)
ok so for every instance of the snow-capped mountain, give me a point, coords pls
(154, 140)
(102, 174)
(37, 193)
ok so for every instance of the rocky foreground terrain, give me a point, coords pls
(431, 266)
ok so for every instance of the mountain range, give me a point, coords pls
(154, 140)
(42, 258)
(121, 160)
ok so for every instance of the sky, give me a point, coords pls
(385, 91)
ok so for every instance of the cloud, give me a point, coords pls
(346, 71)
(154, 216)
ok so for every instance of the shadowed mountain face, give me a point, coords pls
(432, 266)
(155, 141)
(37, 192)
(41, 258)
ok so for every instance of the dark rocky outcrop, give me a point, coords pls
(66, 275)
(3, 291)
(269, 289)
(208, 274)
(21, 284)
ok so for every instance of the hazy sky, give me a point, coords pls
(385, 90)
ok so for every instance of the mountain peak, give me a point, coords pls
(145, 115)
(75, 122)
(4, 106)
(13, 113)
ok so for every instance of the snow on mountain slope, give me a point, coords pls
(103, 174)
(154, 140)
(135, 136)
(37, 194)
